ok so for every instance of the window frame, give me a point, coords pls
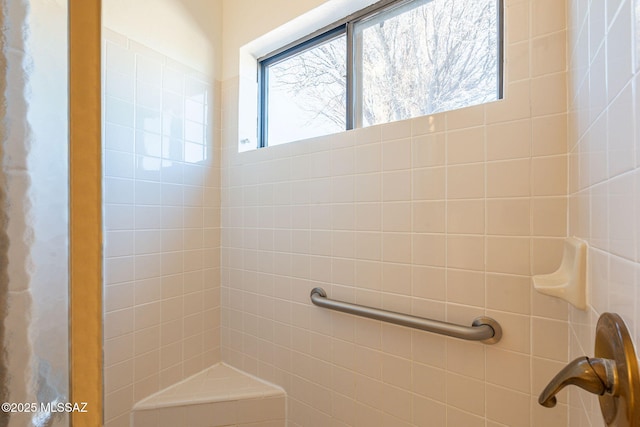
(345, 26)
(278, 56)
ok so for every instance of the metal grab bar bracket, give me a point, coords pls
(491, 322)
(483, 328)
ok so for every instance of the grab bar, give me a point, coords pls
(483, 329)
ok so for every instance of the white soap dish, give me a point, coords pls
(569, 282)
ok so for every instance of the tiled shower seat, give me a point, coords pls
(216, 397)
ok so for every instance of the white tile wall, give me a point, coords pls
(161, 202)
(409, 216)
(444, 216)
(604, 171)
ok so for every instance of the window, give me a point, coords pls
(306, 90)
(391, 61)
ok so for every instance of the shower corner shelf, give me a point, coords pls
(569, 282)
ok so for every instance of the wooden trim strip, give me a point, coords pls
(85, 216)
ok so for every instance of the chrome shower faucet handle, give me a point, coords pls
(612, 374)
(594, 375)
